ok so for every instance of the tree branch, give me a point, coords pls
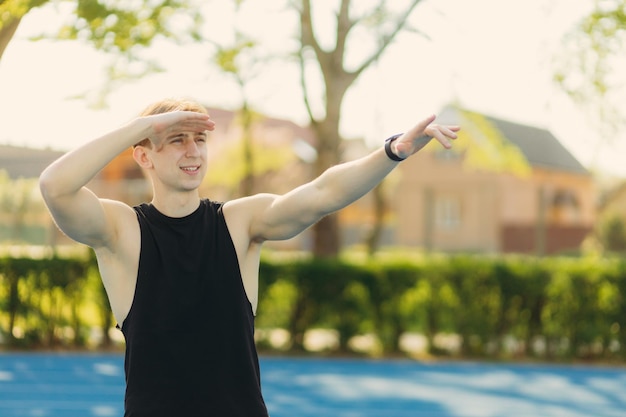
(6, 33)
(305, 91)
(344, 25)
(387, 39)
(307, 36)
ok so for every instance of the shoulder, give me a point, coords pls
(243, 213)
(247, 207)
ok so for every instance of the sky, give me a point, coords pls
(491, 56)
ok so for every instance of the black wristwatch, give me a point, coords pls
(388, 150)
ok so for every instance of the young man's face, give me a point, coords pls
(180, 161)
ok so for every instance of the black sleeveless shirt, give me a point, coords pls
(190, 331)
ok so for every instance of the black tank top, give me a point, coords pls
(190, 331)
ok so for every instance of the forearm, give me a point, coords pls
(345, 183)
(281, 217)
(72, 171)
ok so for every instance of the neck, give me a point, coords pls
(177, 205)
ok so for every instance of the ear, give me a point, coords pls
(141, 156)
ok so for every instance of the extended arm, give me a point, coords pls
(77, 211)
(282, 217)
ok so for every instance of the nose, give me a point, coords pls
(192, 150)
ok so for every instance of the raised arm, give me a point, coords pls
(77, 211)
(282, 217)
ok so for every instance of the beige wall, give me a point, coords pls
(441, 205)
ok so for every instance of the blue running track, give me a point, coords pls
(85, 385)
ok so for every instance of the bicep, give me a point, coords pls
(280, 217)
(83, 217)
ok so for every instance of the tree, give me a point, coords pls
(227, 58)
(383, 25)
(119, 28)
(11, 14)
(611, 233)
(19, 200)
(241, 61)
(592, 63)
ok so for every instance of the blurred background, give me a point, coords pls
(509, 246)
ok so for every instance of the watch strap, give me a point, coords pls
(388, 150)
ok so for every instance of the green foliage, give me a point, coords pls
(16, 9)
(122, 29)
(230, 169)
(591, 55)
(229, 59)
(612, 233)
(487, 149)
(119, 26)
(42, 298)
(20, 204)
(553, 308)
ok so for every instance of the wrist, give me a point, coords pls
(390, 151)
(139, 130)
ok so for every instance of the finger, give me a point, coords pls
(194, 125)
(453, 128)
(449, 131)
(443, 139)
(419, 128)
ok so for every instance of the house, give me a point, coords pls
(504, 187)
(23, 218)
(22, 162)
(524, 193)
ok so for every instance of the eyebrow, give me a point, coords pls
(175, 135)
(184, 134)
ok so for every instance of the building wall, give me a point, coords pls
(441, 205)
(551, 212)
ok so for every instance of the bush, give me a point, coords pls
(498, 307)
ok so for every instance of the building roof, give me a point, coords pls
(22, 162)
(540, 147)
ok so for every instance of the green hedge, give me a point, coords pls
(502, 307)
(50, 302)
(499, 307)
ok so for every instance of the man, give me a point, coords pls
(181, 272)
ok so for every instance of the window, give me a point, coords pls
(448, 213)
(564, 207)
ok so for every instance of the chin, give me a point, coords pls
(190, 187)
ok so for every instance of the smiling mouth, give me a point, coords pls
(190, 169)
